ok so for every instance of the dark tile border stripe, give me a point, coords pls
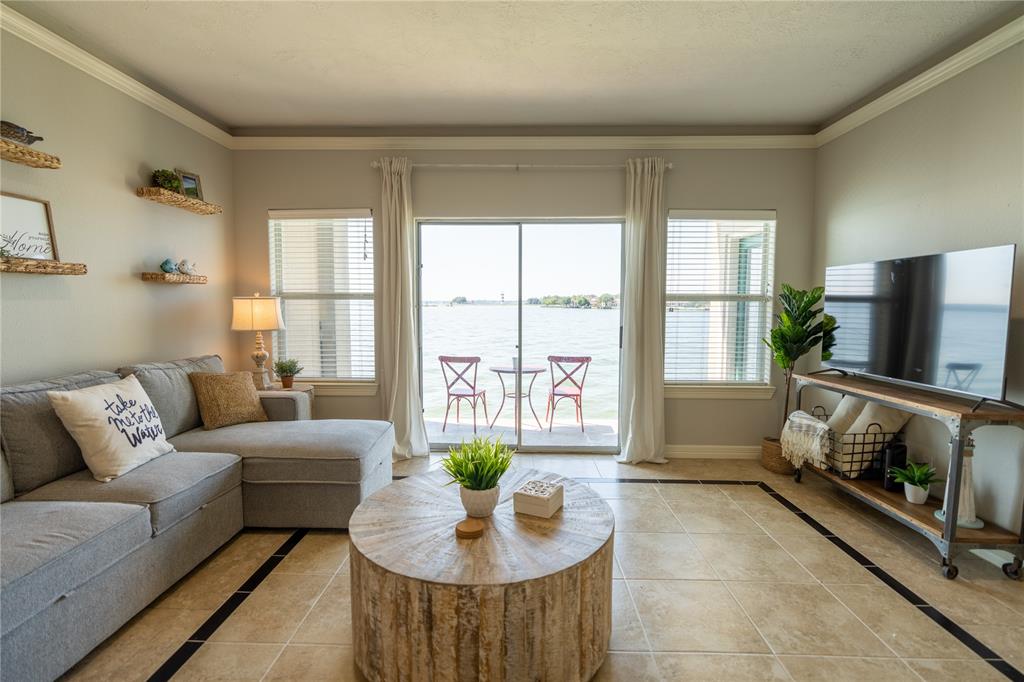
(206, 630)
(217, 618)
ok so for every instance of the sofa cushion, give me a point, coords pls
(47, 549)
(6, 484)
(38, 447)
(169, 388)
(327, 450)
(172, 486)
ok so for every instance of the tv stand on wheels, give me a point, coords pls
(961, 417)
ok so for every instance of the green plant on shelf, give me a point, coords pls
(167, 179)
(287, 368)
(478, 464)
(921, 475)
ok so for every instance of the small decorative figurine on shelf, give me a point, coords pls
(16, 133)
(168, 266)
(186, 267)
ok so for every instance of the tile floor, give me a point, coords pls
(711, 582)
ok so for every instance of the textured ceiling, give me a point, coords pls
(344, 64)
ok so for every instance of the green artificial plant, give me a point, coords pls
(287, 368)
(799, 327)
(478, 464)
(167, 179)
(922, 475)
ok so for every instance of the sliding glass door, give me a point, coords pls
(520, 328)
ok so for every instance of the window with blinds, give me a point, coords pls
(321, 266)
(718, 296)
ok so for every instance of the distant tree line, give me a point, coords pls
(578, 301)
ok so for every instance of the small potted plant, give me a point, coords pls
(915, 479)
(477, 466)
(167, 179)
(287, 369)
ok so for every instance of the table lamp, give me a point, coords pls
(257, 314)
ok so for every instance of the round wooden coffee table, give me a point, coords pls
(530, 599)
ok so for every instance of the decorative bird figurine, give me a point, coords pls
(186, 268)
(13, 131)
(168, 266)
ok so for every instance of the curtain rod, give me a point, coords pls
(521, 166)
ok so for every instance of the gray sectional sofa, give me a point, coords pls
(78, 558)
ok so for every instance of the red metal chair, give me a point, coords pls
(567, 383)
(456, 369)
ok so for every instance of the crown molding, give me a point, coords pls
(989, 46)
(21, 26)
(516, 142)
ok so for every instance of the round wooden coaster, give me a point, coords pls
(469, 528)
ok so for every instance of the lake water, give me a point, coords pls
(489, 331)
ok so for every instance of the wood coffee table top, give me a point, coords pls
(408, 528)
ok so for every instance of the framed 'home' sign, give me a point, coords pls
(26, 228)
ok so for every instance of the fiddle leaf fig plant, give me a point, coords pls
(799, 327)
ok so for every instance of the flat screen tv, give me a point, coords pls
(940, 321)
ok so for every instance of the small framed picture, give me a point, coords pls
(27, 227)
(190, 184)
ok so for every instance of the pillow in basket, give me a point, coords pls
(227, 399)
(115, 425)
(846, 413)
(868, 434)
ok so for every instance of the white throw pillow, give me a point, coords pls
(846, 413)
(115, 425)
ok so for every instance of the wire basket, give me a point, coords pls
(856, 455)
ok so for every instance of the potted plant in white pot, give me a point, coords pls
(915, 479)
(287, 370)
(799, 327)
(477, 466)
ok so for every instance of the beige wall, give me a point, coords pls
(109, 143)
(945, 171)
(720, 179)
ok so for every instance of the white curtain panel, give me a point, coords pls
(642, 388)
(400, 365)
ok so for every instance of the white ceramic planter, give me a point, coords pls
(915, 494)
(479, 503)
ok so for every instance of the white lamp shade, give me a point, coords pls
(256, 313)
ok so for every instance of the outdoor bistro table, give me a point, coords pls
(534, 372)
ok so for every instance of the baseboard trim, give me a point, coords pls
(712, 451)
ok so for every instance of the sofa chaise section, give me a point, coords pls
(310, 474)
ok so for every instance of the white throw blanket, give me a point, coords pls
(805, 438)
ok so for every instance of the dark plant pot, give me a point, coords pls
(772, 459)
(286, 382)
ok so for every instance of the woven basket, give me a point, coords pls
(772, 459)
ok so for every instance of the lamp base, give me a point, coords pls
(261, 379)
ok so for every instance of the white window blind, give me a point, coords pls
(321, 266)
(718, 296)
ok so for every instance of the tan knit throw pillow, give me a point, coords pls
(226, 399)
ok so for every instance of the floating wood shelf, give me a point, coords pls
(919, 516)
(166, 196)
(173, 278)
(26, 156)
(32, 266)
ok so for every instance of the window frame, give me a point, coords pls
(328, 386)
(762, 389)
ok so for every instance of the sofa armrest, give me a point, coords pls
(283, 406)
